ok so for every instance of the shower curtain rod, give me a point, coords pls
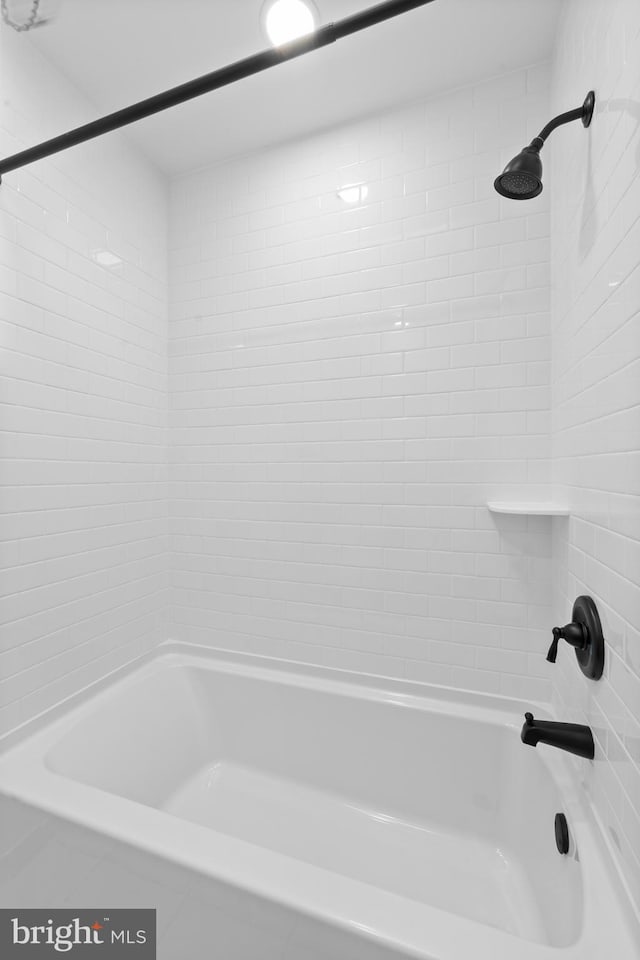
(213, 81)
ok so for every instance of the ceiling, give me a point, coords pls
(120, 51)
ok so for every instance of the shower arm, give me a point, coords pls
(321, 37)
(584, 113)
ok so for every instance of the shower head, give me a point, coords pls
(521, 179)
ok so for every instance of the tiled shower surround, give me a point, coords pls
(350, 383)
(83, 398)
(596, 396)
(359, 356)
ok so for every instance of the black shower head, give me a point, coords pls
(521, 179)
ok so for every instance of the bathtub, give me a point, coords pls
(271, 810)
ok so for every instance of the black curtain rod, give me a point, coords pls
(213, 81)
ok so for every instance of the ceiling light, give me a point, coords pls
(285, 20)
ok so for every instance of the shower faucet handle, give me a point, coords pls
(553, 649)
(574, 633)
(584, 634)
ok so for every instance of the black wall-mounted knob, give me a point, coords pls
(584, 634)
(573, 633)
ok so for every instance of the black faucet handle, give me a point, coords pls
(528, 718)
(553, 649)
(574, 633)
(584, 634)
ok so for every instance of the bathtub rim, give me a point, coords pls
(440, 693)
(422, 931)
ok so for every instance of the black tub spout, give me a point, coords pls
(573, 737)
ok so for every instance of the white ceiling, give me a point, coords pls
(120, 51)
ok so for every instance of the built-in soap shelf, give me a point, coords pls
(528, 508)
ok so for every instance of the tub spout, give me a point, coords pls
(573, 737)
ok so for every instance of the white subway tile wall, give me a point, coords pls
(359, 359)
(596, 394)
(83, 401)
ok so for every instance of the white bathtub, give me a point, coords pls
(270, 810)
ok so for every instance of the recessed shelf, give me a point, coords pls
(528, 508)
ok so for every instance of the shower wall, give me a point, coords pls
(351, 378)
(596, 395)
(83, 397)
(359, 358)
